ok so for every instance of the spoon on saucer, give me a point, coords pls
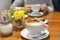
(36, 37)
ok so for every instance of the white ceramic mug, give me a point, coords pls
(36, 29)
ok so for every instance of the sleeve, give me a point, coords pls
(17, 3)
(50, 6)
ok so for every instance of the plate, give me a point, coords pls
(25, 34)
(36, 14)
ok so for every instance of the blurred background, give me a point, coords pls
(5, 4)
(56, 4)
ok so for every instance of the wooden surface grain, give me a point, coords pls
(54, 28)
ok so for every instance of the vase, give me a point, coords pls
(5, 24)
(17, 25)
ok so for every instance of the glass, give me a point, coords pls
(5, 16)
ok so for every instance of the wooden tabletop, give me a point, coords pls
(54, 28)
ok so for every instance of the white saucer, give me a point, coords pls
(36, 14)
(26, 16)
(25, 34)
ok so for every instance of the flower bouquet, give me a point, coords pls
(18, 16)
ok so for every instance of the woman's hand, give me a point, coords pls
(44, 7)
(28, 8)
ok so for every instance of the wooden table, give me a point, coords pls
(54, 28)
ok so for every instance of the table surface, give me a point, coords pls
(54, 28)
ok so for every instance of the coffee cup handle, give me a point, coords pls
(46, 24)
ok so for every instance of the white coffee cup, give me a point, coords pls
(35, 7)
(36, 28)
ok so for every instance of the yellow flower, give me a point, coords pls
(18, 14)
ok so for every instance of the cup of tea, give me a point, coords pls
(35, 7)
(35, 27)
